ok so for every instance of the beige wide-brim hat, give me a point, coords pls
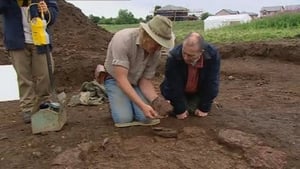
(159, 29)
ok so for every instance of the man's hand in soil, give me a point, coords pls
(149, 112)
(162, 106)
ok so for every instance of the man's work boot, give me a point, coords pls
(27, 117)
(44, 105)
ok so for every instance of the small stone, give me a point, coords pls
(57, 149)
(165, 132)
(236, 97)
(36, 154)
(238, 139)
(231, 78)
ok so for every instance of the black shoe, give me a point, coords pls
(27, 117)
(44, 105)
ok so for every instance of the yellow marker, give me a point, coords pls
(39, 34)
(38, 29)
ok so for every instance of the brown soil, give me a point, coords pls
(259, 94)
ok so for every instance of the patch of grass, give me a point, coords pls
(182, 28)
(283, 21)
(232, 35)
(277, 27)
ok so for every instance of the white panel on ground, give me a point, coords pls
(8, 83)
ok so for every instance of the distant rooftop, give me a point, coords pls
(272, 8)
(292, 7)
(230, 11)
(172, 8)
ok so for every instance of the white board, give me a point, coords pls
(8, 83)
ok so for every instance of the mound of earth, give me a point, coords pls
(79, 45)
(283, 50)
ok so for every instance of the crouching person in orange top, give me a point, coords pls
(192, 77)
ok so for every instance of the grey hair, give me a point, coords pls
(194, 39)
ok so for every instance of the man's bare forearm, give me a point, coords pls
(148, 89)
(124, 84)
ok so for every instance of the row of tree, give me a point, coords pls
(126, 17)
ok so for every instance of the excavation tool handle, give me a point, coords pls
(50, 71)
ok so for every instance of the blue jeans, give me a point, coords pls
(123, 110)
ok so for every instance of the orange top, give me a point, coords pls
(193, 76)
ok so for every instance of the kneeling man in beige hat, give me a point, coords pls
(131, 62)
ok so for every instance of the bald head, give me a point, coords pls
(194, 40)
(192, 48)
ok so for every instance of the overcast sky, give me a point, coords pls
(142, 8)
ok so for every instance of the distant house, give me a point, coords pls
(292, 8)
(226, 12)
(196, 13)
(271, 10)
(175, 13)
(251, 14)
